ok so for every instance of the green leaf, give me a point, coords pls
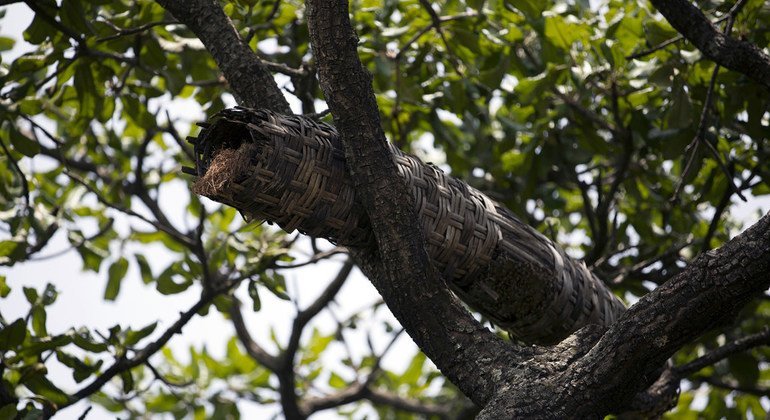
(115, 275)
(38, 321)
(166, 284)
(144, 269)
(5, 45)
(413, 372)
(31, 295)
(39, 345)
(13, 335)
(4, 288)
(680, 113)
(86, 90)
(336, 381)
(745, 368)
(133, 337)
(82, 338)
(128, 381)
(23, 144)
(8, 411)
(80, 369)
(254, 294)
(40, 385)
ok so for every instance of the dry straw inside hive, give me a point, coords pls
(291, 170)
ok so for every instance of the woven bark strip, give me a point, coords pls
(290, 170)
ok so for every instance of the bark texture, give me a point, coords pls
(738, 55)
(251, 83)
(466, 352)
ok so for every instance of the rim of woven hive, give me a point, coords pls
(212, 139)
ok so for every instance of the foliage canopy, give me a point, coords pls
(596, 123)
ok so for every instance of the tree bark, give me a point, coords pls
(251, 83)
(738, 55)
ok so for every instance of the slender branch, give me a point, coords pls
(165, 380)
(52, 21)
(700, 133)
(319, 256)
(385, 398)
(121, 32)
(737, 55)
(668, 42)
(284, 69)
(182, 239)
(304, 316)
(266, 23)
(141, 356)
(436, 20)
(22, 176)
(742, 344)
(428, 27)
(760, 392)
(252, 347)
(585, 112)
(658, 47)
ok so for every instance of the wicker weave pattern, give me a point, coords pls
(296, 177)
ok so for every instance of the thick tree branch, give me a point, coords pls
(737, 55)
(464, 351)
(250, 80)
(708, 293)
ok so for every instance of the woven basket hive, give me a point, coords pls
(291, 170)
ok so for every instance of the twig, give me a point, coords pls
(427, 28)
(141, 356)
(265, 24)
(252, 348)
(677, 38)
(182, 239)
(304, 316)
(759, 339)
(699, 138)
(85, 413)
(165, 380)
(319, 115)
(51, 20)
(658, 47)
(131, 31)
(586, 113)
(283, 68)
(434, 17)
(760, 392)
(315, 258)
(24, 186)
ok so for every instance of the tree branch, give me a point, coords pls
(650, 332)
(252, 347)
(251, 82)
(402, 270)
(141, 356)
(737, 55)
(759, 339)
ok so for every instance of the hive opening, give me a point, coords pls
(227, 166)
(223, 160)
